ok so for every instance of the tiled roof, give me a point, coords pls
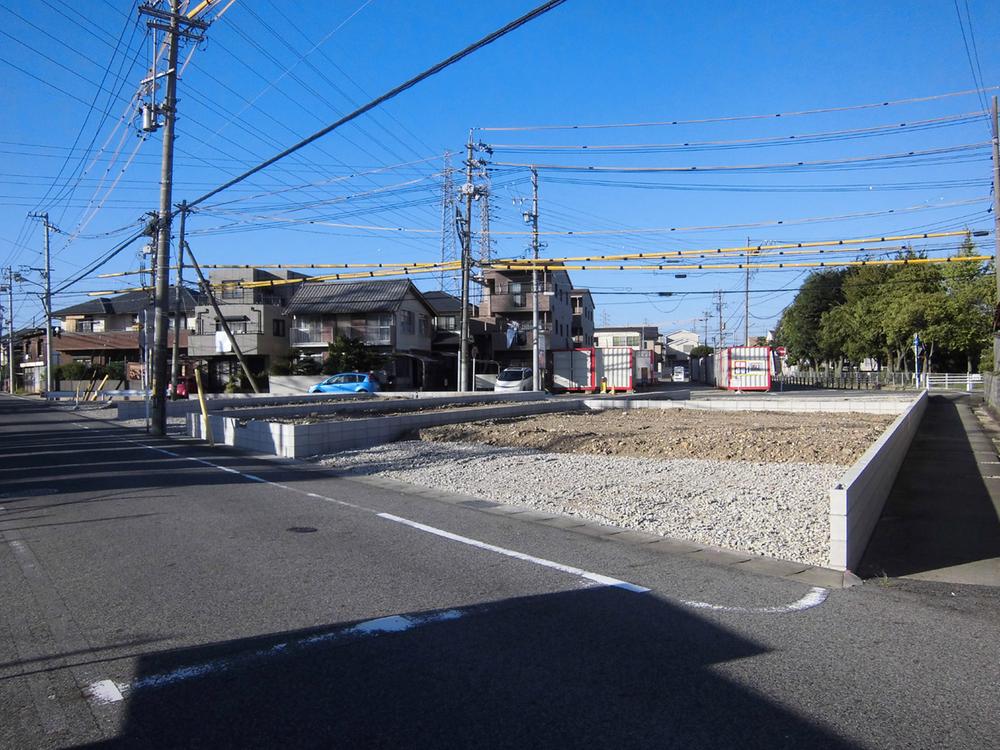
(351, 297)
(123, 304)
(442, 302)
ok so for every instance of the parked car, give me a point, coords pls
(347, 382)
(514, 379)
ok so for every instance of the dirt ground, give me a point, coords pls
(818, 438)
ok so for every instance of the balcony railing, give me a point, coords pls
(236, 328)
(312, 337)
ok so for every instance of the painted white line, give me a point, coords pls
(814, 598)
(108, 691)
(595, 577)
(103, 692)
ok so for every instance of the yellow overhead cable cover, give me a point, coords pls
(742, 249)
(288, 265)
(283, 282)
(754, 266)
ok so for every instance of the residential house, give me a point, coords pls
(253, 302)
(582, 325)
(392, 316)
(507, 305)
(678, 346)
(635, 337)
(447, 326)
(109, 329)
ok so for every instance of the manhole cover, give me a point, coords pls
(301, 529)
(39, 492)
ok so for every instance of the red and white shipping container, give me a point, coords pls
(584, 369)
(745, 368)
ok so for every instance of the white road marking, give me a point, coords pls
(596, 577)
(108, 691)
(104, 691)
(814, 598)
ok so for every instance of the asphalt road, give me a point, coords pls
(158, 593)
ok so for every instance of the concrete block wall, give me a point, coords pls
(991, 389)
(856, 502)
(799, 405)
(301, 440)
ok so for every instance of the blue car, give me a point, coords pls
(347, 382)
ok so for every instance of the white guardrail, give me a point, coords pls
(953, 381)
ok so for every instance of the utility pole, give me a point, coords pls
(168, 109)
(10, 328)
(175, 362)
(722, 323)
(47, 302)
(746, 299)
(707, 316)
(996, 224)
(535, 327)
(463, 352)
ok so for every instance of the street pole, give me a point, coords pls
(48, 310)
(463, 353)
(161, 299)
(536, 331)
(175, 363)
(722, 322)
(746, 299)
(10, 328)
(996, 224)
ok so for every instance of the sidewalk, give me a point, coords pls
(942, 519)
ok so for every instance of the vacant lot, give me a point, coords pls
(772, 437)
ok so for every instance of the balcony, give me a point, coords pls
(306, 337)
(507, 301)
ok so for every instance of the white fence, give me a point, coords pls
(952, 381)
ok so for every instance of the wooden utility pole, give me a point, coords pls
(722, 322)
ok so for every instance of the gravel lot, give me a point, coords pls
(778, 510)
(778, 437)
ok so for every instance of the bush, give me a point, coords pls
(73, 371)
(700, 351)
(306, 366)
(281, 366)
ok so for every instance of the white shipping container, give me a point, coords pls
(573, 370)
(615, 365)
(749, 368)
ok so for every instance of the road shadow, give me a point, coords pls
(940, 512)
(598, 667)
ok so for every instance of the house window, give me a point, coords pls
(423, 326)
(278, 327)
(378, 329)
(231, 292)
(236, 325)
(518, 294)
(446, 323)
(406, 321)
(85, 326)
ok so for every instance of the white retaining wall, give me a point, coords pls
(786, 404)
(856, 502)
(301, 440)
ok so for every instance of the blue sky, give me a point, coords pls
(260, 82)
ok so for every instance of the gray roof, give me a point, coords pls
(123, 304)
(442, 302)
(318, 298)
(648, 332)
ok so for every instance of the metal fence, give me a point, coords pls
(953, 381)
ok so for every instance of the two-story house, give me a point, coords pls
(678, 346)
(390, 315)
(107, 329)
(253, 302)
(507, 304)
(582, 325)
(635, 337)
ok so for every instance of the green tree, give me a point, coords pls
(351, 355)
(799, 329)
(700, 351)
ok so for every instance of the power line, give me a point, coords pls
(737, 118)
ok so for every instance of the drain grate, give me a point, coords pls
(302, 529)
